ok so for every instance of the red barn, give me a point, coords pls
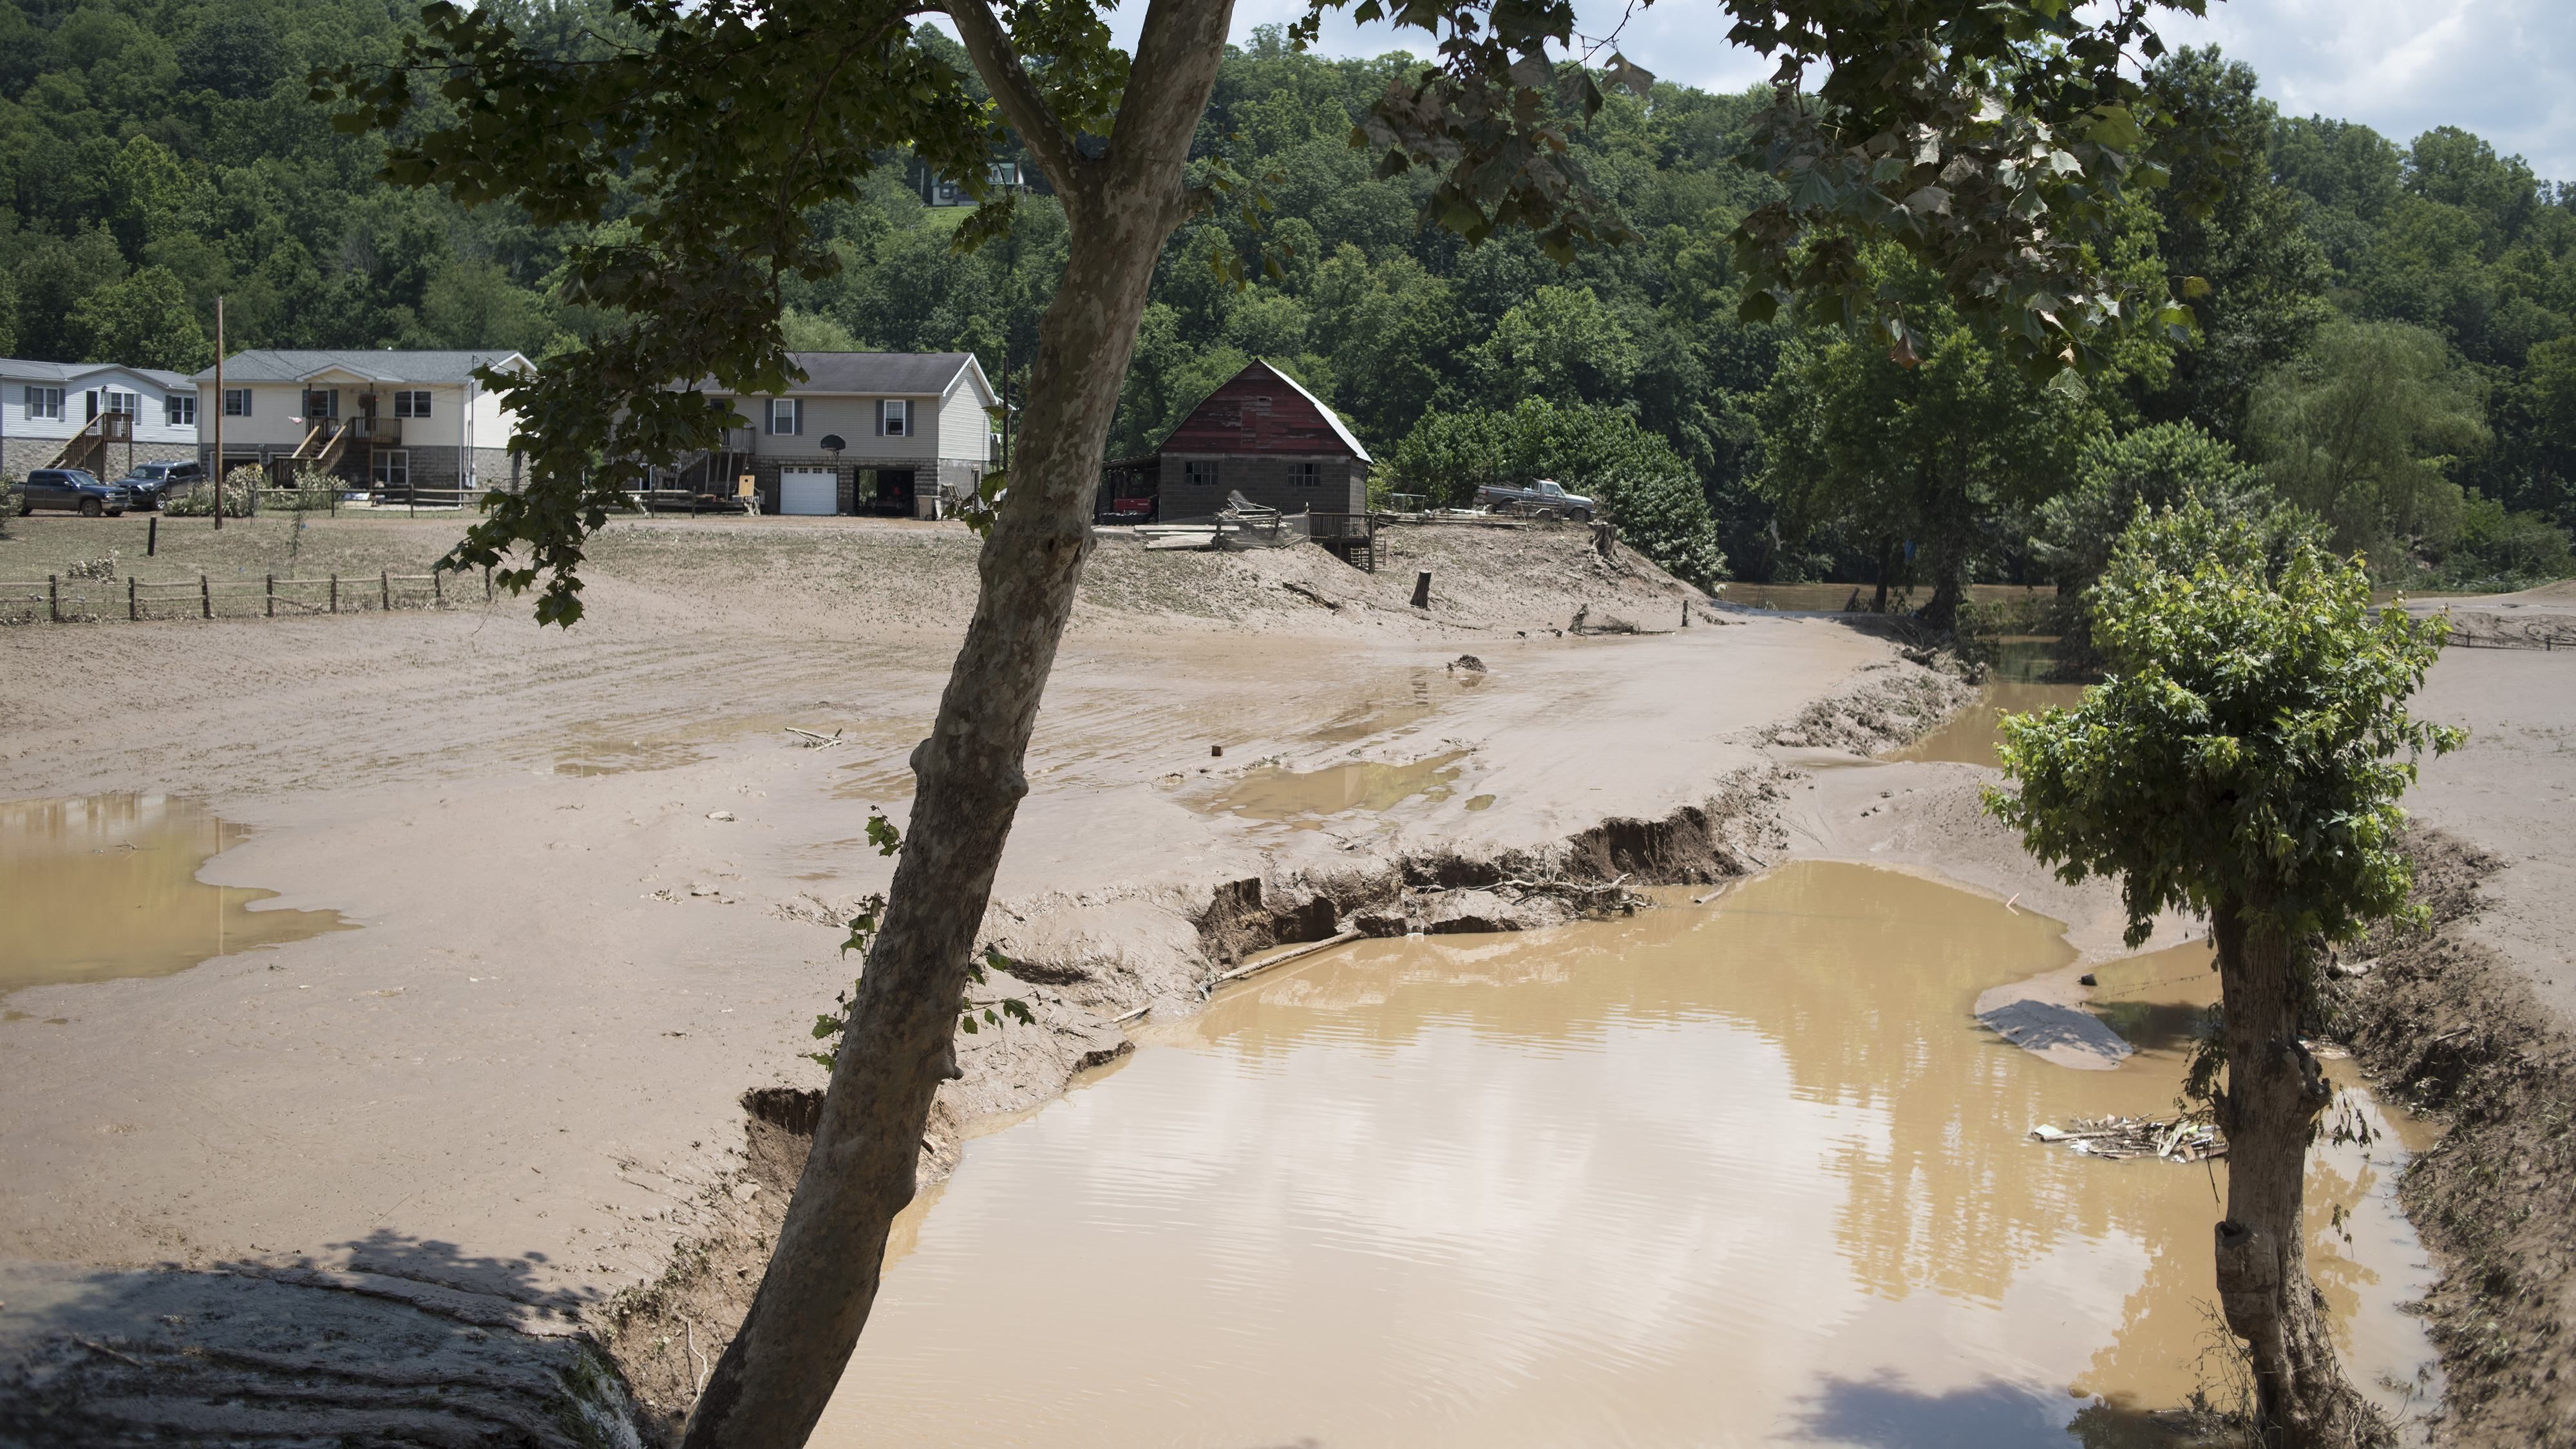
(1260, 435)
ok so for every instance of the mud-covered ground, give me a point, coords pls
(599, 887)
(2448, 1025)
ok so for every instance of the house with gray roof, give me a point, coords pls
(865, 432)
(102, 416)
(387, 420)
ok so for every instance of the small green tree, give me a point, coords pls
(2244, 761)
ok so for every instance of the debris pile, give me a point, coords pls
(2177, 1139)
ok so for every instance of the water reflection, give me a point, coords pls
(1747, 1173)
(105, 886)
(2019, 684)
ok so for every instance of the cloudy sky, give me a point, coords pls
(2505, 69)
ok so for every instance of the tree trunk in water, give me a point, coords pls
(1886, 566)
(782, 1366)
(2275, 1090)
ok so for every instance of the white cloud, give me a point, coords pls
(2505, 69)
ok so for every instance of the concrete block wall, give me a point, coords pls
(1269, 479)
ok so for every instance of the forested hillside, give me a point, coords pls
(2389, 340)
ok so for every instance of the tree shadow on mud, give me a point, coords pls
(441, 1264)
(1882, 1410)
(413, 1342)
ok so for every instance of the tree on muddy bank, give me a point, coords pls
(2244, 761)
(696, 150)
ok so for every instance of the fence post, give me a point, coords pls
(272, 596)
(205, 597)
(54, 598)
(437, 587)
(132, 613)
(335, 593)
(385, 582)
(152, 537)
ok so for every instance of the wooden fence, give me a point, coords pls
(2481, 629)
(60, 600)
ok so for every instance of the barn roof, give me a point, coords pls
(1340, 429)
(1222, 416)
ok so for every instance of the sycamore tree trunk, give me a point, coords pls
(2275, 1091)
(780, 1370)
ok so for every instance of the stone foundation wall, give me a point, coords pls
(428, 467)
(18, 455)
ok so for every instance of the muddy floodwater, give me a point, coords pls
(1740, 1173)
(106, 886)
(2019, 684)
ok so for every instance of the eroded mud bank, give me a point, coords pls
(1092, 962)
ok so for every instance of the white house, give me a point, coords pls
(383, 419)
(866, 432)
(101, 416)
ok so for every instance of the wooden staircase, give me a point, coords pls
(323, 449)
(88, 448)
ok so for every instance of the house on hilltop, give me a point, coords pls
(101, 416)
(384, 420)
(865, 432)
(1260, 434)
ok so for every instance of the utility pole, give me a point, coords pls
(219, 414)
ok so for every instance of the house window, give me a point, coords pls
(786, 416)
(128, 403)
(321, 403)
(1306, 475)
(414, 404)
(894, 418)
(179, 410)
(45, 402)
(393, 468)
(1199, 475)
(236, 402)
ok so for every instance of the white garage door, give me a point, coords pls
(807, 490)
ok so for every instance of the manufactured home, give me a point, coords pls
(100, 416)
(392, 421)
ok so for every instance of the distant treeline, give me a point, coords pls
(2389, 341)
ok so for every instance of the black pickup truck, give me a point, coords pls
(73, 490)
(151, 484)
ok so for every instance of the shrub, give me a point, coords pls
(241, 496)
(314, 492)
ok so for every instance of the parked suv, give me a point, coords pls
(74, 490)
(151, 484)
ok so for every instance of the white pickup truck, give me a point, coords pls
(1542, 498)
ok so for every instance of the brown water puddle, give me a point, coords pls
(1746, 1173)
(105, 886)
(1305, 797)
(2019, 686)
